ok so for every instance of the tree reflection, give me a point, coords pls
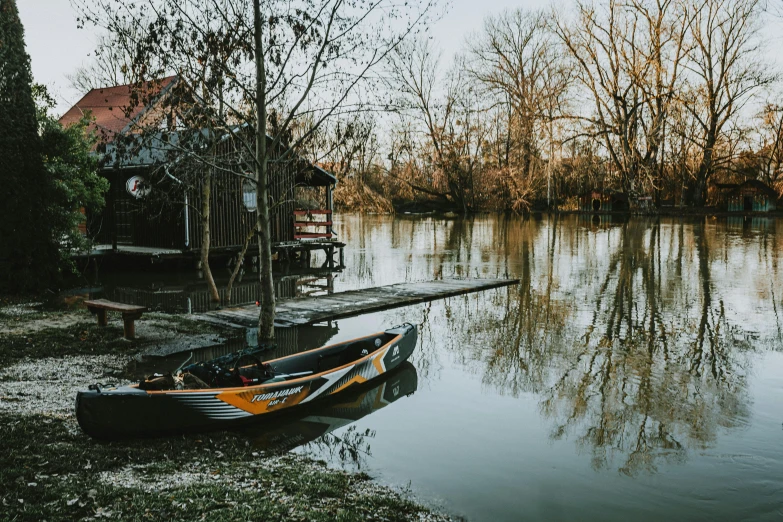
(621, 328)
(351, 448)
(617, 329)
(643, 385)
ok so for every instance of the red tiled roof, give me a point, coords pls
(108, 107)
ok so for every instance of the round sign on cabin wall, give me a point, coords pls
(137, 187)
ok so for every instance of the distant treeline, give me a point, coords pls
(656, 99)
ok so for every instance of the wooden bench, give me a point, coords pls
(129, 314)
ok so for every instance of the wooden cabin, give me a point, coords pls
(602, 201)
(750, 196)
(155, 198)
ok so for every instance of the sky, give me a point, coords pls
(57, 48)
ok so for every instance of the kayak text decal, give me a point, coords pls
(276, 394)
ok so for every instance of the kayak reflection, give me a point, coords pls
(307, 424)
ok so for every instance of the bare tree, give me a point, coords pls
(112, 61)
(628, 59)
(771, 143)
(252, 71)
(517, 58)
(449, 116)
(349, 146)
(726, 68)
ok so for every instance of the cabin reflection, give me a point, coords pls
(187, 292)
(296, 339)
(746, 224)
(601, 221)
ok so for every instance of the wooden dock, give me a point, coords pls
(310, 310)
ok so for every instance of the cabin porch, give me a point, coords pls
(162, 221)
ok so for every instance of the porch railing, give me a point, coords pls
(304, 219)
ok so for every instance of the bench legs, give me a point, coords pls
(129, 324)
(128, 321)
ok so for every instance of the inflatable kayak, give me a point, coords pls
(205, 397)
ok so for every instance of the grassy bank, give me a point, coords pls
(50, 470)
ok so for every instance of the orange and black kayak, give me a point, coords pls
(133, 411)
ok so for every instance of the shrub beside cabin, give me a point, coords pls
(154, 200)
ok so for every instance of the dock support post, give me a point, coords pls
(342, 258)
(329, 207)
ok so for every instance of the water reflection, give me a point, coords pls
(170, 290)
(311, 428)
(658, 366)
(634, 371)
(637, 336)
(643, 384)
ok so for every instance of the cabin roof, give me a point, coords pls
(114, 111)
(726, 186)
(758, 185)
(114, 108)
(155, 149)
(316, 177)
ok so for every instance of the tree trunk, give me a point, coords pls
(266, 315)
(206, 200)
(698, 194)
(238, 266)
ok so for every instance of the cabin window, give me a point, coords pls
(249, 195)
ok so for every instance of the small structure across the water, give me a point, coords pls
(604, 200)
(750, 196)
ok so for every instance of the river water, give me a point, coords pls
(635, 373)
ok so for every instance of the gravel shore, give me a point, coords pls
(50, 470)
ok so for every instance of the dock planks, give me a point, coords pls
(309, 310)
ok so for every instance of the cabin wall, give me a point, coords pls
(230, 220)
(173, 220)
(128, 220)
(281, 190)
(587, 202)
(750, 200)
(230, 217)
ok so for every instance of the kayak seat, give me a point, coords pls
(345, 356)
(329, 361)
